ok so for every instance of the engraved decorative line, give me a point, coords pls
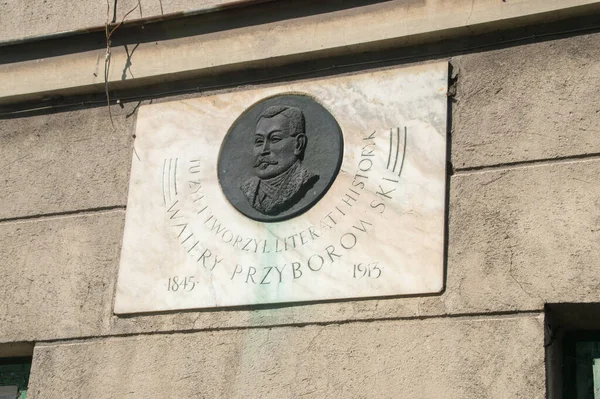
(403, 151)
(396, 155)
(397, 146)
(163, 182)
(169, 180)
(175, 176)
(390, 152)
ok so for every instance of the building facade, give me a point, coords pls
(522, 224)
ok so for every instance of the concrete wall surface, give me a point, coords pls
(34, 18)
(60, 162)
(523, 232)
(529, 102)
(489, 357)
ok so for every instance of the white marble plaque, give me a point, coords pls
(377, 231)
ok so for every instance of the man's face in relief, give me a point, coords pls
(275, 151)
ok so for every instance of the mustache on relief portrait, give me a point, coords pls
(264, 162)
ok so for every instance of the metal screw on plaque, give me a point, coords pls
(280, 157)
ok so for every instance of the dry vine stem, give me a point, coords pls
(109, 33)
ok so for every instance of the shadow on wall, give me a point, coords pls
(180, 25)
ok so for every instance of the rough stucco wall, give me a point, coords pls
(452, 358)
(520, 235)
(528, 102)
(58, 275)
(24, 19)
(61, 162)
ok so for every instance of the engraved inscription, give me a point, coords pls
(181, 283)
(332, 250)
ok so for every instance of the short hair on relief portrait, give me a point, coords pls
(293, 114)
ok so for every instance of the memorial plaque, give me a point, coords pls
(322, 189)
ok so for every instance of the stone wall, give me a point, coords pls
(523, 228)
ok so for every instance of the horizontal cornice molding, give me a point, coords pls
(366, 28)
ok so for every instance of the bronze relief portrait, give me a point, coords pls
(280, 157)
